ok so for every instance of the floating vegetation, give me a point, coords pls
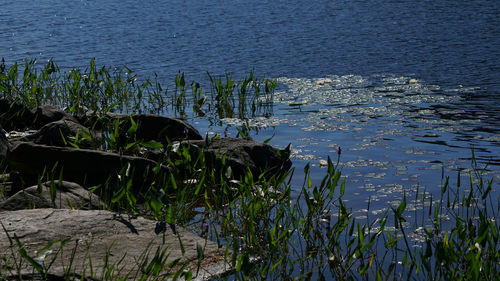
(404, 102)
(274, 230)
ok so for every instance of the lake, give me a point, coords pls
(405, 88)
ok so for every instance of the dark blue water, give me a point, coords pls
(411, 85)
(443, 42)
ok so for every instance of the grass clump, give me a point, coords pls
(314, 236)
(276, 233)
(102, 90)
(271, 229)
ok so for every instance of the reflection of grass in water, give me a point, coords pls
(313, 235)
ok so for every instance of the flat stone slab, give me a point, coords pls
(129, 243)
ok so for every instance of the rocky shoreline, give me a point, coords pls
(50, 166)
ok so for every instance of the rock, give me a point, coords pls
(5, 186)
(11, 182)
(68, 195)
(116, 244)
(14, 115)
(158, 128)
(149, 127)
(99, 121)
(79, 165)
(45, 114)
(4, 146)
(60, 133)
(244, 153)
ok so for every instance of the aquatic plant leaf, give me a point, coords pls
(156, 205)
(269, 139)
(133, 126)
(342, 187)
(130, 145)
(401, 207)
(199, 251)
(152, 145)
(25, 255)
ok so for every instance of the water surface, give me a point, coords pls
(406, 88)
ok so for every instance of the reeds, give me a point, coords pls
(102, 89)
(272, 230)
(274, 233)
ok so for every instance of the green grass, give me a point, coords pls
(273, 229)
(101, 90)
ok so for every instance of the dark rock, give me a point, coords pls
(149, 127)
(68, 195)
(79, 165)
(60, 133)
(244, 153)
(159, 128)
(99, 121)
(14, 115)
(45, 114)
(4, 146)
(5, 186)
(12, 182)
(102, 242)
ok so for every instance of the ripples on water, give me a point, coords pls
(397, 133)
(406, 87)
(448, 43)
